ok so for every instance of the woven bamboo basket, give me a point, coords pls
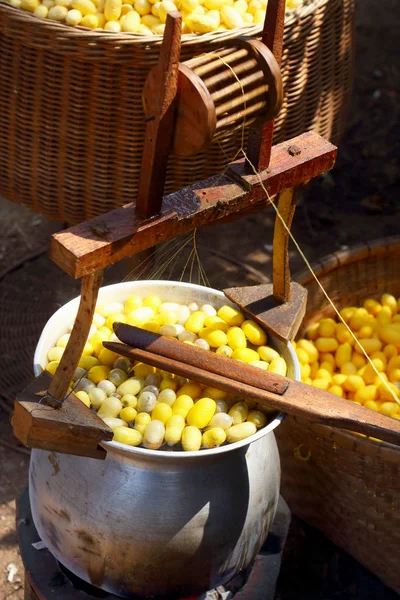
(346, 485)
(71, 119)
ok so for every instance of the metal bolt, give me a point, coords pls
(294, 150)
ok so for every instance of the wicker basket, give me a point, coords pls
(71, 120)
(346, 485)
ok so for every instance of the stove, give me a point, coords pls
(47, 579)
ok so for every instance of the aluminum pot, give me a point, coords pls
(156, 523)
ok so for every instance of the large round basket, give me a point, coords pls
(346, 485)
(71, 119)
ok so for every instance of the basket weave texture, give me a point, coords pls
(71, 118)
(346, 485)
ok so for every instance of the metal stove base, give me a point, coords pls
(46, 579)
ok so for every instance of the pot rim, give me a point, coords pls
(118, 448)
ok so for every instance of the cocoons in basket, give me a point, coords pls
(148, 17)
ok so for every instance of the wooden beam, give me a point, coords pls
(107, 239)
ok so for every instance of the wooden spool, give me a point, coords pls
(219, 93)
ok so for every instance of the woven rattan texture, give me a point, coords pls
(71, 119)
(347, 485)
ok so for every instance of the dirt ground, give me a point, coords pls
(358, 201)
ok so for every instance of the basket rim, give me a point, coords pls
(65, 31)
(332, 262)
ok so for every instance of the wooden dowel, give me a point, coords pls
(69, 361)
(220, 78)
(238, 118)
(280, 251)
(203, 65)
(234, 87)
(203, 359)
(242, 100)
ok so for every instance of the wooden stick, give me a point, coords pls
(299, 399)
(259, 143)
(160, 97)
(81, 249)
(69, 361)
(280, 254)
(198, 357)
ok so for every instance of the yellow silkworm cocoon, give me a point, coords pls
(387, 391)
(225, 351)
(221, 419)
(107, 357)
(86, 7)
(239, 412)
(166, 7)
(217, 5)
(87, 362)
(83, 397)
(323, 374)
(210, 392)
(189, 5)
(367, 393)
(358, 360)
(158, 29)
(327, 366)
(372, 306)
(128, 436)
(258, 418)
(384, 317)
(259, 16)
(129, 400)
(214, 437)
(366, 331)
(231, 17)
(254, 6)
(131, 386)
(240, 6)
(338, 379)
(390, 301)
(245, 354)
(128, 414)
(260, 364)
(173, 429)
(236, 338)
(302, 356)
(98, 373)
(390, 334)
(248, 18)
(343, 354)
(111, 407)
(324, 344)
(154, 434)
(278, 366)
(58, 13)
(337, 390)
(342, 334)
(254, 333)
(141, 422)
(143, 7)
(113, 422)
(191, 439)
(168, 384)
(322, 384)
(313, 330)
(348, 369)
(30, 5)
(74, 17)
(370, 345)
(182, 406)
(236, 433)
(201, 413)
(389, 408)
(16, 3)
(394, 375)
(217, 337)
(310, 348)
(137, 317)
(327, 328)
(133, 302)
(161, 412)
(41, 11)
(266, 353)
(150, 21)
(142, 370)
(305, 371)
(230, 314)
(394, 363)
(353, 383)
(389, 351)
(196, 320)
(191, 389)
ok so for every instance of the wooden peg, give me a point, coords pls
(259, 143)
(280, 250)
(159, 99)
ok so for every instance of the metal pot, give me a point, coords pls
(156, 522)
